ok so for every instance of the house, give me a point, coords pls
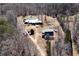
(33, 21)
(48, 34)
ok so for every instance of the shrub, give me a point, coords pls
(67, 36)
(5, 27)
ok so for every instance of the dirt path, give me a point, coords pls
(75, 53)
(38, 47)
(37, 39)
(22, 27)
(72, 29)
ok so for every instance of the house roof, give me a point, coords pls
(31, 20)
(47, 30)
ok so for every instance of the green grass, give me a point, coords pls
(5, 27)
(6, 30)
(67, 36)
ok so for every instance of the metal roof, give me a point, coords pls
(31, 20)
(47, 30)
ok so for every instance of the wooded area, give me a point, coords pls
(11, 39)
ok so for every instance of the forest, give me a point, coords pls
(10, 37)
